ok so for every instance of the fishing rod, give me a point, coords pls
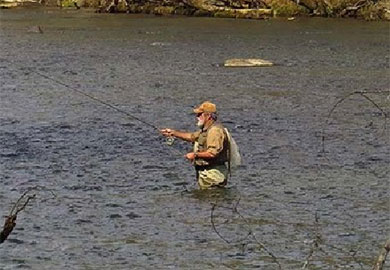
(95, 99)
(169, 140)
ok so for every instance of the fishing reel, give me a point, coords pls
(170, 140)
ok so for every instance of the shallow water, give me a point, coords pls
(112, 195)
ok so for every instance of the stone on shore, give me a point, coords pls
(249, 62)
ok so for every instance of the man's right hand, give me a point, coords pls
(167, 132)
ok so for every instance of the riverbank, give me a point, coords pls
(243, 9)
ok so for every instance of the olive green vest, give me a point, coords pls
(201, 145)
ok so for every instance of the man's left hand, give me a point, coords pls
(190, 156)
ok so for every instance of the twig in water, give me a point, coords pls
(234, 209)
(218, 233)
(354, 252)
(315, 244)
(341, 100)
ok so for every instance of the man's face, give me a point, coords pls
(201, 120)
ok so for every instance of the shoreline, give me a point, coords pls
(379, 11)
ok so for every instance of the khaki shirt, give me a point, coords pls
(213, 140)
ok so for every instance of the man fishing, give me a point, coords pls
(211, 147)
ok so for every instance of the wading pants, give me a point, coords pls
(212, 176)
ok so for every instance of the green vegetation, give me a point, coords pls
(67, 3)
(251, 9)
(285, 8)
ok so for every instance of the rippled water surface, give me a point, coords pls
(112, 195)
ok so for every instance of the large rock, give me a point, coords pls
(250, 62)
(18, 3)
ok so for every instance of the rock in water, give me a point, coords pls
(35, 29)
(250, 62)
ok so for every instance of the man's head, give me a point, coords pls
(206, 107)
(206, 112)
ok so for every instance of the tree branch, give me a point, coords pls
(10, 221)
(380, 262)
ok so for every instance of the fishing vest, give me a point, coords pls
(201, 145)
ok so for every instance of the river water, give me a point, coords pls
(112, 195)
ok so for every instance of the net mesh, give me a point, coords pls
(235, 157)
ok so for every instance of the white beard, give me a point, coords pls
(200, 123)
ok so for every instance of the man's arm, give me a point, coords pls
(204, 155)
(186, 136)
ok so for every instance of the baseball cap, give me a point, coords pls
(206, 106)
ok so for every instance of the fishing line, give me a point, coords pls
(169, 140)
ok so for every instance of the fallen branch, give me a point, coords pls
(10, 221)
(380, 262)
(353, 9)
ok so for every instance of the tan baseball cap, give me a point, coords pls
(206, 106)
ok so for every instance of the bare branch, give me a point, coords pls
(380, 262)
(10, 221)
(341, 100)
(18, 202)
